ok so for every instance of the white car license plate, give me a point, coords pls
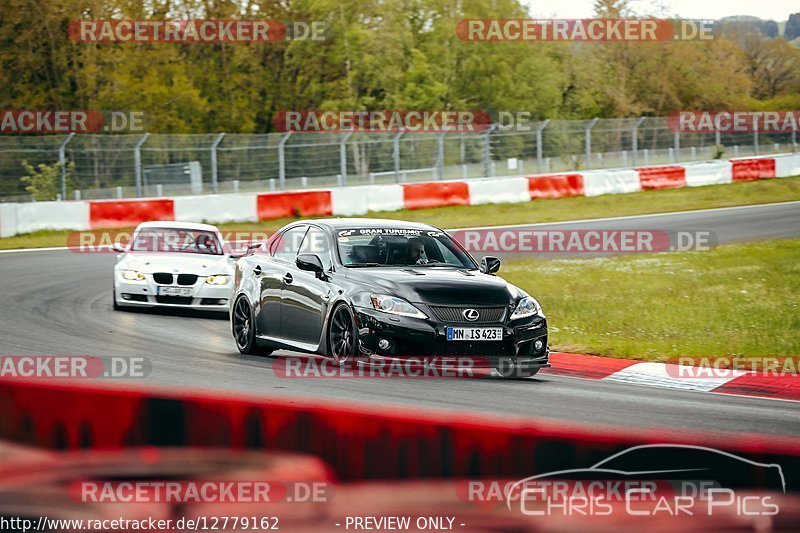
(174, 291)
(474, 334)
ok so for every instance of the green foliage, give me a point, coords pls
(379, 54)
(44, 181)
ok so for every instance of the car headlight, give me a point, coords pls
(218, 279)
(528, 306)
(395, 306)
(132, 275)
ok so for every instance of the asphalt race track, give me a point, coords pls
(59, 303)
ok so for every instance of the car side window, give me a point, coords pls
(447, 256)
(287, 244)
(316, 242)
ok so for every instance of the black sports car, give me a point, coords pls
(361, 289)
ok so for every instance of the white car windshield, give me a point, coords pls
(399, 247)
(176, 240)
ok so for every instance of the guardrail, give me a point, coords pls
(94, 166)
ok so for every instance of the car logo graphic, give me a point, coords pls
(471, 314)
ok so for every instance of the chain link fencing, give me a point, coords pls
(94, 166)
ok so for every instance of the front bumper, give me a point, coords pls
(204, 297)
(425, 338)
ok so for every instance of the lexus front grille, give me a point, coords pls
(457, 314)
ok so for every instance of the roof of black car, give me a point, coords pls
(338, 223)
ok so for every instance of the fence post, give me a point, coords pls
(343, 157)
(635, 139)
(137, 162)
(396, 154)
(214, 173)
(62, 160)
(677, 146)
(539, 131)
(487, 152)
(717, 139)
(794, 141)
(282, 160)
(440, 165)
(589, 143)
(755, 140)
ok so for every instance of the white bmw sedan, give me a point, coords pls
(174, 264)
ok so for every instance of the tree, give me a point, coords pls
(44, 181)
(774, 67)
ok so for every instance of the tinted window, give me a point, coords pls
(316, 242)
(286, 245)
(176, 240)
(399, 247)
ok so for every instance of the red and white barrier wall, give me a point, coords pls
(348, 201)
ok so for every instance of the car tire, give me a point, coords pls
(114, 296)
(525, 373)
(342, 335)
(243, 328)
(516, 371)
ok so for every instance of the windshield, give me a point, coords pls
(400, 247)
(176, 240)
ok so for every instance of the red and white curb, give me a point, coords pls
(672, 376)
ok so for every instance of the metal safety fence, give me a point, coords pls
(94, 166)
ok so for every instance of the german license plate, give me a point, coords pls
(474, 334)
(174, 291)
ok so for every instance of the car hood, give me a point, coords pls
(438, 286)
(201, 265)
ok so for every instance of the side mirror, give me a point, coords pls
(490, 264)
(235, 256)
(310, 262)
(118, 248)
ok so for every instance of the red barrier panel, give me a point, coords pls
(424, 195)
(558, 186)
(64, 423)
(662, 177)
(357, 442)
(753, 169)
(126, 213)
(293, 204)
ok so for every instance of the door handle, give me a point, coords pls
(288, 278)
(257, 270)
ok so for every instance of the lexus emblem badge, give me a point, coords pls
(471, 314)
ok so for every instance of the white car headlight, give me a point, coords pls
(132, 275)
(395, 306)
(218, 279)
(528, 306)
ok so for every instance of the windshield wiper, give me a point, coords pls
(448, 265)
(357, 265)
